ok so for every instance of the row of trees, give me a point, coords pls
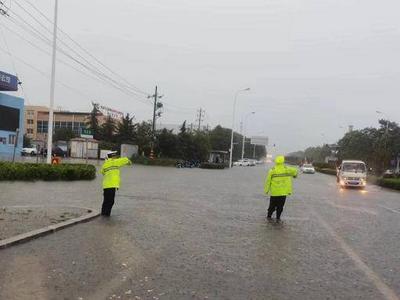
(378, 147)
(187, 144)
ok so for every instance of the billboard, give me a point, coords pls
(259, 140)
(107, 111)
(9, 118)
(8, 82)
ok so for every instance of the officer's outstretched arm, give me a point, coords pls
(123, 161)
(294, 172)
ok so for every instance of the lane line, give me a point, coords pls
(357, 209)
(389, 209)
(383, 288)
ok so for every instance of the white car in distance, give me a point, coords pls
(29, 151)
(308, 169)
(242, 163)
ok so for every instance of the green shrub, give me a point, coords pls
(323, 165)
(208, 165)
(393, 183)
(166, 162)
(326, 171)
(31, 172)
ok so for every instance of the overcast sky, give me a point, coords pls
(313, 66)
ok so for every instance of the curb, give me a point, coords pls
(24, 237)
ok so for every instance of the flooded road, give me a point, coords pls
(203, 234)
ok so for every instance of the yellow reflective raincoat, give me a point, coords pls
(110, 171)
(279, 179)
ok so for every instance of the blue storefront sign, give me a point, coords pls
(11, 122)
(8, 82)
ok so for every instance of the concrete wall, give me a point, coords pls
(7, 149)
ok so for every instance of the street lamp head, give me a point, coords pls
(378, 112)
(247, 89)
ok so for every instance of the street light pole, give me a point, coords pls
(244, 131)
(233, 124)
(386, 132)
(387, 119)
(52, 87)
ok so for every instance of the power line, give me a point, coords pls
(13, 62)
(28, 27)
(99, 76)
(78, 45)
(46, 74)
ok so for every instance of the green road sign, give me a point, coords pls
(86, 133)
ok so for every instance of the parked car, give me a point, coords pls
(57, 151)
(307, 169)
(390, 174)
(242, 163)
(252, 162)
(29, 151)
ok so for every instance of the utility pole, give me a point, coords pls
(200, 117)
(243, 137)
(52, 87)
(156, 114)
(154, 110)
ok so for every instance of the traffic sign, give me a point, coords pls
(8, 82)
(86, 133)
(259, 140)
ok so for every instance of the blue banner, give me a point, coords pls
(8, 82)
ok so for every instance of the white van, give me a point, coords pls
(352, 173)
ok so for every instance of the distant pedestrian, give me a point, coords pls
(279, 185)
(111, 179)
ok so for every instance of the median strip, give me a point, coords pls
(24, 237)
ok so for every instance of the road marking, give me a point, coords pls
(385, 290)
(295, 219)
(389, 209)
(357, 209)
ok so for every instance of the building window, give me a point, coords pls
(42, 126)
(30, 121)
(39, 126)
(11, 139)
(30, 112)
(29, 131)
(3, 140)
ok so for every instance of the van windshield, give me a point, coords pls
(354, 167)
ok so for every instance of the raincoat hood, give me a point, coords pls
(279, 160)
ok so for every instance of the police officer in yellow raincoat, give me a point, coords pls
(111, 179)
(279, 185)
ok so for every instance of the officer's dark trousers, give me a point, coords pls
(108, 202)
(276, 203)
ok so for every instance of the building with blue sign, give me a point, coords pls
(11, 121)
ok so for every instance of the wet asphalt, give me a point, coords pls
(202, 234)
